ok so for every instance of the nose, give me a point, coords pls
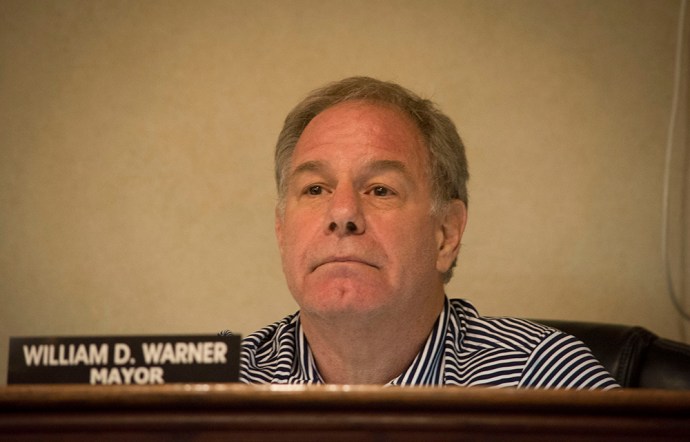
(345, 215)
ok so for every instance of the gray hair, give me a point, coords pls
(447, 161)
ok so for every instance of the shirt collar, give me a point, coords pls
(427, 367)
(304, 369)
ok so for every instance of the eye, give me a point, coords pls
(315, 190)
(381, 191)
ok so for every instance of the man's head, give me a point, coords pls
(448, 163)
(372, 198)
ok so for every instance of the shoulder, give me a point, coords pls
(563, 361)
(283, 328)
(482, 332)
(269, 352)
(538, 356)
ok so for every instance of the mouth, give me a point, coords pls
(344, 260)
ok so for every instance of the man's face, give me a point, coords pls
(357, 234)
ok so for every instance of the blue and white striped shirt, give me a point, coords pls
(463, 349)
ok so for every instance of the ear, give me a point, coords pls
(279, 228)
(451, 227)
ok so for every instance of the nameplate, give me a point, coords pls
(124, 360)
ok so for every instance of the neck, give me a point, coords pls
(368, 349)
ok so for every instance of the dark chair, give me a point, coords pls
(636, 357)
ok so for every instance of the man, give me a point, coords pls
(372, 207)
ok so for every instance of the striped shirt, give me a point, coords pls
(463, 349)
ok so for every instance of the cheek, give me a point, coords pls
(290, 243)
(410, 242)
(291, 255)
(423, 242)
(294, 237)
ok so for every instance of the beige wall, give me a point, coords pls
(136, 189)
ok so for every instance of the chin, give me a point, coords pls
(339, 303)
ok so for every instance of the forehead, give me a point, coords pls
(362, 129)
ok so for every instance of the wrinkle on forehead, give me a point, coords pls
(370, 168)
(379, 125)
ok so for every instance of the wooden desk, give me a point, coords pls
(327, 413)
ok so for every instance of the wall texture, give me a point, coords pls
(136, 187)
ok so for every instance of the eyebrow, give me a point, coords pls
(388, 165)
(374, 167)
(308, 166)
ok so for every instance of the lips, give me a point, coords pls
(344, 260)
